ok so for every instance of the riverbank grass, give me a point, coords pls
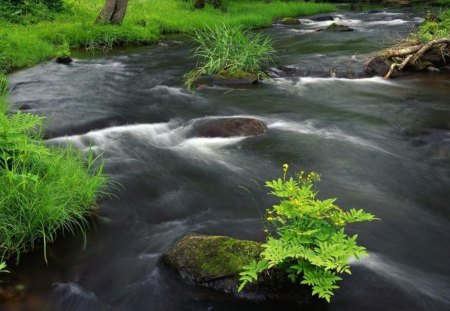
(44, 191)
(32, 40)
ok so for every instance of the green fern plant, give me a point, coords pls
(306, 236)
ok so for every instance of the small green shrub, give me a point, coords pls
(28, 11)
(307, 236)
(230, 52)
(44, 191)
(436, 29)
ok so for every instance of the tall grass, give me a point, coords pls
(22, 45)
(43, 191)
(230, 52)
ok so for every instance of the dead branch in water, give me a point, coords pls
(411, 54)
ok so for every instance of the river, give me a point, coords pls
(379, 145)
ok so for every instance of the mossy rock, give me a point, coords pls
(216, 261)
(289, 21)
(201, 258)
(338, 28)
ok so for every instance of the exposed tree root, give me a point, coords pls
(410, 55)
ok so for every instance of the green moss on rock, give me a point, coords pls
(204, 258)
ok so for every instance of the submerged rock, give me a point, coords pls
(338, 28)
(232, 127)
(322, 18)
(216, 261)
(289, 21)
(281, 72)
(64, 60)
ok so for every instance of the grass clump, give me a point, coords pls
(230, 52)
(44, 191)
(436, 29)
(306, 236)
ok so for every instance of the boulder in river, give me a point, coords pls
(377, 66)
(216, 261)
(338, 28)
(232, 127)
(64, 60)
(289, 21)
(324, 18)
(281, 72)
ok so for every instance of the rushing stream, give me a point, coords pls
(379, 145)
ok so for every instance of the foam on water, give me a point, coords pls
(172, 135)
(308, 127)
(393, 22)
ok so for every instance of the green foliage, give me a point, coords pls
(43, 190)
(3, 267)
(230, 52)
(307, 236)
(436, 29)
(28, 11)
(3, 93)
(22, 45)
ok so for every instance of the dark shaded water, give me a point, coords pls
(380, 145)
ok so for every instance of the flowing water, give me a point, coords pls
(380, 145)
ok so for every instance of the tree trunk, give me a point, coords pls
(113, 12)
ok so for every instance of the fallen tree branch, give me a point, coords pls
(429, 46)
(398, 66)
(395, 52)
(412, 53)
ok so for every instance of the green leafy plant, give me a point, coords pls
(436, 29)
(44, 191)
(230, 52)
(306, 236)
(3, 267)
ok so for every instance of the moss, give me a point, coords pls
(289, 21)
(226, 256)
(204, 258)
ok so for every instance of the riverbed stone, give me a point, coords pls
(377, 66)
(232, 127)
(216, 261)
(64, 60)
(289, 21)
(338, 28)
(323, 18)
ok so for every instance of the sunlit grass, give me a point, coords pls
(23, 45)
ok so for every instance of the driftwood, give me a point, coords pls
(410, 55)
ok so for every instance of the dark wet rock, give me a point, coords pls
(64, 60)
(377, 66)
(234, 82)
(435, 142)
(232, 128)
(289, 21)
(215, 262)
(281, 72)
(374, 12)
(435, 57)
(338, 28)
(432, 136)
(205, 81)
(24, 107)
(322, 18)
